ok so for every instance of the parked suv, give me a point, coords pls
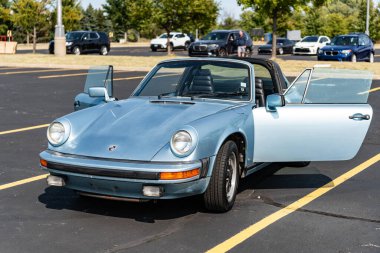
(219, 43)
(352, 47)
(81, 42)
(177, 40)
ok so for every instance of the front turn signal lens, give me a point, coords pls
(43, 162)
(179, 175)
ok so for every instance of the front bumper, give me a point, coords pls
(334, 56)
(157, 46)
(305, 50)
(125, 179)
(203, 50)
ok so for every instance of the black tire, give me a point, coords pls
(222, 52)
(103, 50)
(154, 49)
(187, 44)
(221, 192)
(76, 51)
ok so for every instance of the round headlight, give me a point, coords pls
(182, 143)
(56, 133)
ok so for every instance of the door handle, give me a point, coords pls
(359, 116)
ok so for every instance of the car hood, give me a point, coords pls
(337, 47)
(159, 41)
(138, 128)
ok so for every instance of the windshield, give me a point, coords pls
(73, 36)
(345, 41)
(215, 36)
(278, 41)
(164, 36)
(310, 39)
(198, 79)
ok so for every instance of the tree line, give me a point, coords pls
(126, 19)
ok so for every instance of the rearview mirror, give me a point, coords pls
(99, 92)
(274, 101)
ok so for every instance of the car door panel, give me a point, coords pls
(309, 132)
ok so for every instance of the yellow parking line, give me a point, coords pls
(23, 129)
(260, 225)
(75, 74)
(23, 181)
(128, 78)
(34, 71)
(368, 91)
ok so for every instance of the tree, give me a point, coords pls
(229, 23)
(171, 15)
(71, 14)
(5, 17)
(277, 9)
(89, 18)
(30, 15)
(117, 11)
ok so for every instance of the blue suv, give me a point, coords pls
(352, 47)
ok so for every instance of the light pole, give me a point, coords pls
(59, 34)
(367, 20)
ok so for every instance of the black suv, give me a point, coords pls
(80, 42)
(219, 43)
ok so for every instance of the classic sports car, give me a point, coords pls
(196, 126)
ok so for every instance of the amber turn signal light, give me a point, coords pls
(179, 175)
(43, 162)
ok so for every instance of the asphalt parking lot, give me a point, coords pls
(145, 51)
(38, 218)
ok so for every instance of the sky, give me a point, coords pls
(228, 7)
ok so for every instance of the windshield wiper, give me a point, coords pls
(235, 93)
(164, 94)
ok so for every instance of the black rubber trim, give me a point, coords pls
(59, 154)
(104, 172)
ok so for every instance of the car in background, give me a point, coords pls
(85, 42)
(177, 40)
(310, 44)
(219, 43)
(284, 46)
(352, 47)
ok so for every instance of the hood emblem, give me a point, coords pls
(112, 148)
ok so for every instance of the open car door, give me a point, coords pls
(98, 88)
(322, 116)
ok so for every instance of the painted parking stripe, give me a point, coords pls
(35, 71)
(265, 222)
(23, 181)
(75, 74)
(23, 129)
(369, 91)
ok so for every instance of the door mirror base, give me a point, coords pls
(273, 101)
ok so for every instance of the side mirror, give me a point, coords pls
(99, 92)
(274, 101)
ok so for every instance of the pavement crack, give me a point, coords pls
(271, 202)
(167, 232)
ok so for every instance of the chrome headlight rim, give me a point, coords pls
(63, 124)
(189, 132)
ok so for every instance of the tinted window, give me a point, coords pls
(345, 41)
(73, 36)
(165, 36)
(216, 36)
(94, 36)
(310, 39)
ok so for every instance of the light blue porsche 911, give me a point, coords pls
(197, 126)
